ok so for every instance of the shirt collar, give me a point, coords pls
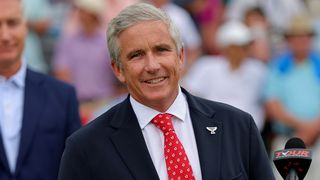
(146, 114)
(17, 79)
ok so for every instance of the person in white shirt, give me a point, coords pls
(232, 77)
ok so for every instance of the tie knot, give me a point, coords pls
(163, 122)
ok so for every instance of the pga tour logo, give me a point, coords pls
(287, 153)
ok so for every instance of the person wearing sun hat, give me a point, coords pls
(72, 22)
(93, 6)
(82, 60)
(292, 91)
(300, 25)
(232, 77)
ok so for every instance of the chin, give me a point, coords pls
(160, 95)
(8, 56)
(157, 96)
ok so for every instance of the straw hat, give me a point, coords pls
(93, 6)
(300, 25)
(233, 33)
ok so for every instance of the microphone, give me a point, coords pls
(294, 161)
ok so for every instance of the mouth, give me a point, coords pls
(155, 80)
(5, 49)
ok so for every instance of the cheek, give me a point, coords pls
(130, 74)
(21, 36)
(180, 66)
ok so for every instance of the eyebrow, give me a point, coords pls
(160, 45)
(163, 45)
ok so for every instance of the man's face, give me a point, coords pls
(236, 52)
(151, 66)
(12, 36)
(301, 45)
(88, 20)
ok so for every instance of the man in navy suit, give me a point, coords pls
(37, 113)
(124, 143)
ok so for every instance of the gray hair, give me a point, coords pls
(131, 16)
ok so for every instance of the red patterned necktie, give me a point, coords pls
(178, 166)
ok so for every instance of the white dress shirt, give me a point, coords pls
(11, 111)
(154, 137)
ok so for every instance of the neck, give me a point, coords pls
(89, 31)
(300, 58)
(90, 28)
(161, 105)
(9, 70)
(164, 105)
(235, 62)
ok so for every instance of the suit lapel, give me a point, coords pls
(209, 145)
(34, 102)
(130, 143)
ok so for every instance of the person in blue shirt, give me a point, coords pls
(293, 91)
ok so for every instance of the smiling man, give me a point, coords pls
(161, 131)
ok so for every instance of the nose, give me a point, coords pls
(4, 33)
(152, 64)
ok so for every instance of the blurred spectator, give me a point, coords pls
(113, 7)
(293, 91)
(59, 9)
(208, 15)
(38, 20)
(189, 33)
(233, 77)
(279, 13)
(81, 58)
(259, 27)
(110, 9)
(37, 112)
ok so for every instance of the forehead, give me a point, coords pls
(149, 27)
(10, 9)
(145, 33)
(299, 36)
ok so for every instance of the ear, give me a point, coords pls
(118, 72)
(181, 59)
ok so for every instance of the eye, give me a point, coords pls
(136, 54)
(163, 49)
(13, 22)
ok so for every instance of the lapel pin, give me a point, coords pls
(212, 129)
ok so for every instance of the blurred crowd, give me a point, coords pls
(262, 56)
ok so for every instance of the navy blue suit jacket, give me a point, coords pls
(50, 115)
(112, 147)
